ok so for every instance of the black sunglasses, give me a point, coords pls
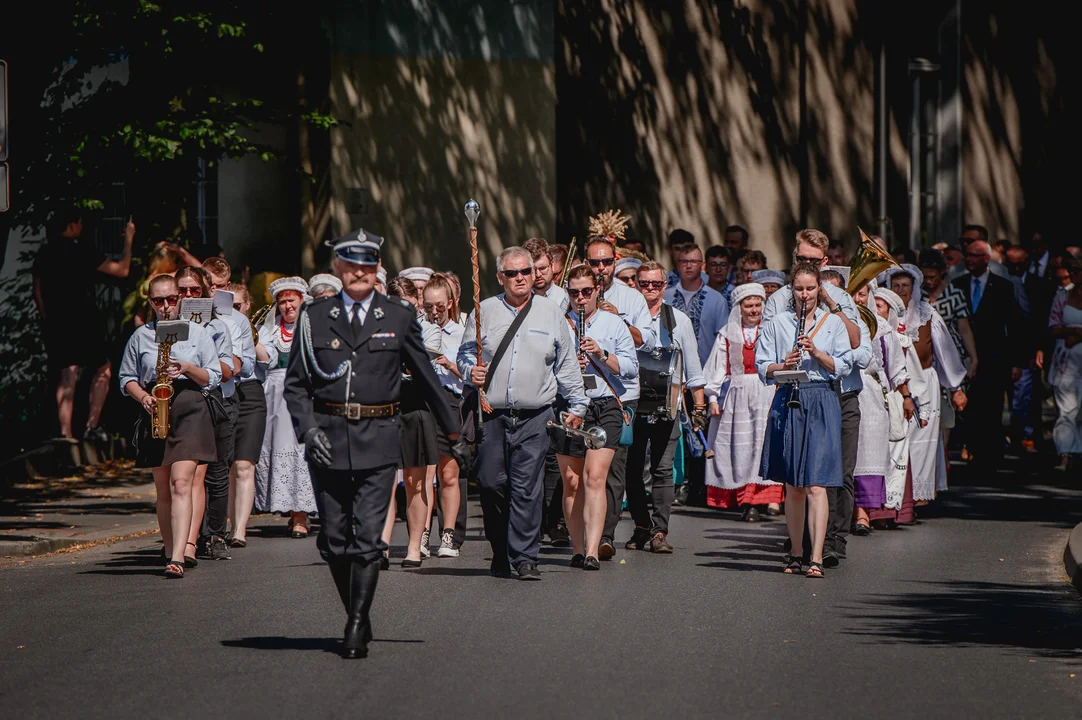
(601, 261)
(515, 273)
(167, 300)
(586, 292)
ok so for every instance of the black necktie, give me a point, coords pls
(356, 324)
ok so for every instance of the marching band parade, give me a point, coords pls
(821, 394)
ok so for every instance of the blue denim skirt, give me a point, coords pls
(803, 446)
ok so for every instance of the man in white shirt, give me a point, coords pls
(543, 278)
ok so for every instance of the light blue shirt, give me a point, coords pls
(611, 334)
(540, 360)
(782, 300)
(140, 360)
(559, 296)
(450, 341)
(778, 337)
(240, 333)
(633, 311)
(684, 338)
(259, 370)
(713, 314)
(220, 333)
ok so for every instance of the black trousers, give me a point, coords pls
(217, 479)
(352, 509)
(982, 421)
(615, 485)
(661, 437)
(511, 458)
(841, 498)
(552, 511)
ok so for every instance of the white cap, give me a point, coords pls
(325, 279)
(297, 284)
(417, 273)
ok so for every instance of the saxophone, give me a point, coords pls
(162, 392)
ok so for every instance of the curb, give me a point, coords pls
(1072, 557)
(44, 546)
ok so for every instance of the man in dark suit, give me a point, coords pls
(995, 318)
(342, 389)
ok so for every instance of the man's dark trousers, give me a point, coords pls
(661, 437)
(614, 486)
(217, 478)
(511, 459)
(841, 498)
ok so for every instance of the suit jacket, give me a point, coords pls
(389, 338)
(997, 325)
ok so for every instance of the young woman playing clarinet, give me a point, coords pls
(803, 437)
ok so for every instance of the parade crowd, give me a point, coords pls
(600, 382)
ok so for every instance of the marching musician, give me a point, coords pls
(191, 366)
(801, 443)
(673, 329)
(543, 279)
(607, 360)
(210, 490)
(520, 384)
(251, 422)
(342, 389)
(630, 305)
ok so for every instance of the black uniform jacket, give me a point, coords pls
(389, 338)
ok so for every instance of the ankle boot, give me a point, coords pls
(340, 571)
(359, 626)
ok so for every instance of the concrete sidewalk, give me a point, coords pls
(103, 502)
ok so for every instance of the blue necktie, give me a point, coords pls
(976, 300)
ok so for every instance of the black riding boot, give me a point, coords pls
(340, 571)
(359, 626)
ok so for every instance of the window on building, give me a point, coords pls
(205, 228)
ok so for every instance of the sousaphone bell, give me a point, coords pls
(869, 261)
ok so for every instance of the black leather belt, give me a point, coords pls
(516, 414)
(356, 411)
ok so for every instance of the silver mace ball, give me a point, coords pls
(472, 210)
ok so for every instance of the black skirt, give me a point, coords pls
(418, 437)
(442, 442)
(603, 413)
(191, 432)
(251, 420)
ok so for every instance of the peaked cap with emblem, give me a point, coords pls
(360, 247)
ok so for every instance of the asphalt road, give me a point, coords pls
(968, 613)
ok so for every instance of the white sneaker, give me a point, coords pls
(447, 545)
(425, 552)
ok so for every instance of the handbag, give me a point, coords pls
(218, 415)
(471, 398)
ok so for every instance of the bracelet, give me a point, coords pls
(906, 397)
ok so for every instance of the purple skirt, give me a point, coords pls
(870, 491)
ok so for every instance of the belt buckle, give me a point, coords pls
(353, 411)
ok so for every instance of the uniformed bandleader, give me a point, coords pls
(342, 390)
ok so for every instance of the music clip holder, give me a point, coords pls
(589, 382)
(172, 331)
(790, 377)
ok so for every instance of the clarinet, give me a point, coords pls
(582, 333)
(794, 399)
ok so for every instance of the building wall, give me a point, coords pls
(442, 102)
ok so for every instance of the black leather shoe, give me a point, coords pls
(591, 563)
(385, 563)
(640, 539)
(363, 579)
(830, 560)
(607, 551)
(500, 570)
(407, 563)
(577, 561)
(528, 571)
(751, 514)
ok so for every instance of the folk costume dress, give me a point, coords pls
(282, 482)
(736, 436)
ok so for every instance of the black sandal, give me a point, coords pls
(861, 530)
(815, 570)
(189, 561)
(793, 565)
(174, 569)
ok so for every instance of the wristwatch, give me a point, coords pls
(837, 309)
(605, 356)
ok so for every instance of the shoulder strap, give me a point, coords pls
(668, 319)
(506, 342)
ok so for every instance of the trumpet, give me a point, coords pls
(794, 399)
(257, 320)
(595, 438)
(162, 392)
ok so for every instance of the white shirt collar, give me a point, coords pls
(349, 302)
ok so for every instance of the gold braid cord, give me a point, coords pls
(477, 310)
(611, 225)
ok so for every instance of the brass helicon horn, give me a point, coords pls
(869, 261)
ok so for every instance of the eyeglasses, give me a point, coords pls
(509, 274)
(652, 284)
(437, 308)
(193, 290)
(689, 262)
(238, 306)
(586, 292)
(596, 262)
(805, 258)
(718, 264)
(167, 300)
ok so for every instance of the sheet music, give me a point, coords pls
(197, 310)
(223, 303)
(171, 331)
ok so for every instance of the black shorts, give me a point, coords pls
(603, 413)
(419, 445)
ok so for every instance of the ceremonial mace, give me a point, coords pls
(472, 210)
